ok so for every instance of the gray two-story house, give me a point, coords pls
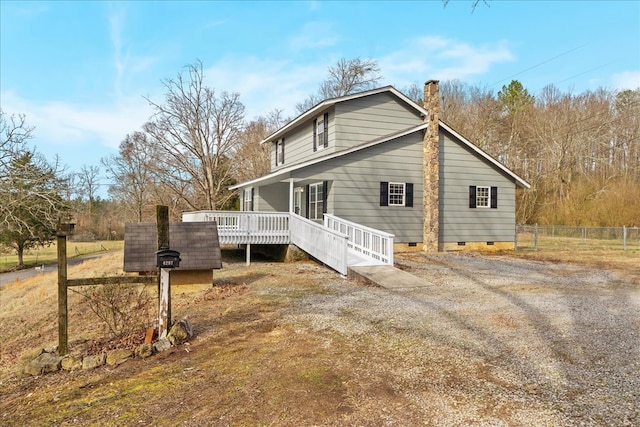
(378, 159)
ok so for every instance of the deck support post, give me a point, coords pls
(248, 253)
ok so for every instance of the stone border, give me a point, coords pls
(48, 361)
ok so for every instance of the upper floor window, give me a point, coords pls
(279, 152)
(321, 132)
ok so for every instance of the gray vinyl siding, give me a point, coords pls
(272, 198)
(354, 186)
(364, 119)
(351, 123)
(299, 144)
(459, 169)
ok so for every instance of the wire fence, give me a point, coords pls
(561, 237)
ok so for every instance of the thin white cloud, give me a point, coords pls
(61, 123)
(441, 58)
(314, 35)
(265, 84)
(116, 22)
(126, 65)
(626, 80)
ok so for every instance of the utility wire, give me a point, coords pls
(539, 64)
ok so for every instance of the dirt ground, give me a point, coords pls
(489, 340)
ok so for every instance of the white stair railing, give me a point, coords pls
(329, 246)
(367, 241)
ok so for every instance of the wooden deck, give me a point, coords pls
(338, 243)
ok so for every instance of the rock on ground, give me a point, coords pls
(43, 364)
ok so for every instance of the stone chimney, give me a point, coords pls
(430, 145)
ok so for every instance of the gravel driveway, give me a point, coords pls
(493, 340)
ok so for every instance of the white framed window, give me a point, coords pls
(483, 195)
(248, 200)
(297, 201)
(280, 152)
(396, 194)
(316, 201)
(321, 132)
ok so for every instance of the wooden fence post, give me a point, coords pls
(61, 233)
(62, 295)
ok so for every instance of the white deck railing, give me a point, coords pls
(330, 243)
(367, 241)
(269, 228)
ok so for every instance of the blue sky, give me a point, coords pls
(80, 70)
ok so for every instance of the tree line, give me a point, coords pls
(580, 152)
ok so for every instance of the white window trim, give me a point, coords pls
(320, 141)
(297, 200)
(314, 203)
(247, 199)
(280, 152)
(479, 198)
(404, 194)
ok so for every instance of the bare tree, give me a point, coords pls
(14, 134)
(252, 159)
(474, 4)
(88, 181)
(131, 175)
(195, 137)
(414, 92)
(345, 77)
(350, 76)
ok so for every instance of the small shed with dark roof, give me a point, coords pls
(197, 243)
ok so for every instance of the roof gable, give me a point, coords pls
(474, 148)
(328, 103)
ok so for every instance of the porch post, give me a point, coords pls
(291, 208)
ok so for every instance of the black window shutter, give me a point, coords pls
(325, 188)
(408, 198)
(472, 196)
(384, 194)
(306, 201)
(494, 197)
(326, 130)
(282, 150)
(315, 135)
